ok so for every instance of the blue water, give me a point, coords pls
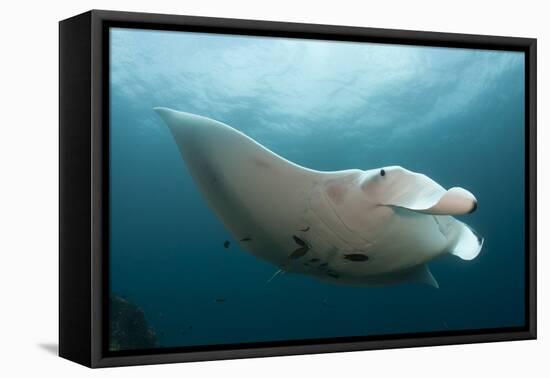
(455, 115)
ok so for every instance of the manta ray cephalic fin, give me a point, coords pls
(469, 244)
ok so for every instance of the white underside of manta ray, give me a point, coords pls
(352, 227)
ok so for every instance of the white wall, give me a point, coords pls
(28, 186)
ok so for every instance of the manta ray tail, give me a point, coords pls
(280, 271)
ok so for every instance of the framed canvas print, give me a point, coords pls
(234, 188)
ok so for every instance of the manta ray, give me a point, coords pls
(352, 227)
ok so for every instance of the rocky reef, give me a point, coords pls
(128, 326)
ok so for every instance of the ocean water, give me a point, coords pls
(456, 115)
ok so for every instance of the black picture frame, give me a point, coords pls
(84, 199)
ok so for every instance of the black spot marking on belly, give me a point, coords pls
(299, 252)
(299, 241)
(246, 239)
(314, 260)
(356, 257)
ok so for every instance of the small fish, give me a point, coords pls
(300, 252)
(356, 257)
(246, 239)
(299, 241)
(220, 300)
(333, 274)
(305, 229)
(314, 260)
(226, 244)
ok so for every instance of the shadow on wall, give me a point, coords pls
(51, 348)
